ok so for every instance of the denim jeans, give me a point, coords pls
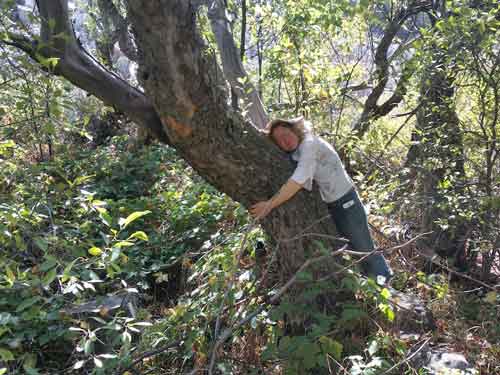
(350, 219)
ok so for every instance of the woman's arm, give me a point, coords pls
(287, 191)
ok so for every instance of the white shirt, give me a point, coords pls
(318, 161)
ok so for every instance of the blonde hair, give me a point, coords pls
(296, 125)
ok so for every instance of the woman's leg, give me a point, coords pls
(350, 219)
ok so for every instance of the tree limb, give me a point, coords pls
(372, 110)
(58, 41)
(232, 65)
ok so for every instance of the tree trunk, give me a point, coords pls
(185, 105)
(436, 159)
(232, 64)
(224, 149)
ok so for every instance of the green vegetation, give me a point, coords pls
(117, 258)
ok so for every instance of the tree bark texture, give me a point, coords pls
(436, 156)
(228, 152)
(232, 65)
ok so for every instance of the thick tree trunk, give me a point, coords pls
(224, 149)
(185, 105)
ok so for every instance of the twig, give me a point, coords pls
(151, 353)
(228, 290)
(407, 358)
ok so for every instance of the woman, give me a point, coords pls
(318, 161)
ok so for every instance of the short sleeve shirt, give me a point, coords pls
(318, 161)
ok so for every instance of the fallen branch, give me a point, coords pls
(151, 353)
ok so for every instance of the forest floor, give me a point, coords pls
(111, 222)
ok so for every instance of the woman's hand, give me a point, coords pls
(261, 209)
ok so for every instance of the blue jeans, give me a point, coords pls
(350, 219)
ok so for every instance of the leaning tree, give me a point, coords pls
(182, 103)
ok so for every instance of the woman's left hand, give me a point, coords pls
(261, 209)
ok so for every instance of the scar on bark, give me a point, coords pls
(181, 129)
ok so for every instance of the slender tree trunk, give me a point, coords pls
(437, 160)
(232, 65)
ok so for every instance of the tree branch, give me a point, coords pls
(372, 110)
(78, 67)
(232, 64)
(121, 33)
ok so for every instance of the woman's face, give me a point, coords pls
(286, 139)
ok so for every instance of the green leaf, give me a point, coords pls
(49, 277)
(108, 356)
(27, 303)
(388, 311)
(78, 365)
(373, 347)
(385, 293)
(133, 216)
(82, 179)
(3, 371)
(105, 217)
(123, 244)
(88, 347)
(6, 355)
(41, 243)
(140, 235)
(331, 347)
(95, 251)
(66, 273)
(115, 254)
(48, 264)
(11, 277)
(98, 362)
(126, 338)
(142, 324)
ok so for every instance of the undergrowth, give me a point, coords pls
(113, 222)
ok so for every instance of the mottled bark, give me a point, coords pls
(224, 149)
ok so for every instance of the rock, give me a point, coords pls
(441, 362)
(107, 305)
(444, 363)
(411, 313)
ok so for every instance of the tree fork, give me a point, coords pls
(224, 149)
